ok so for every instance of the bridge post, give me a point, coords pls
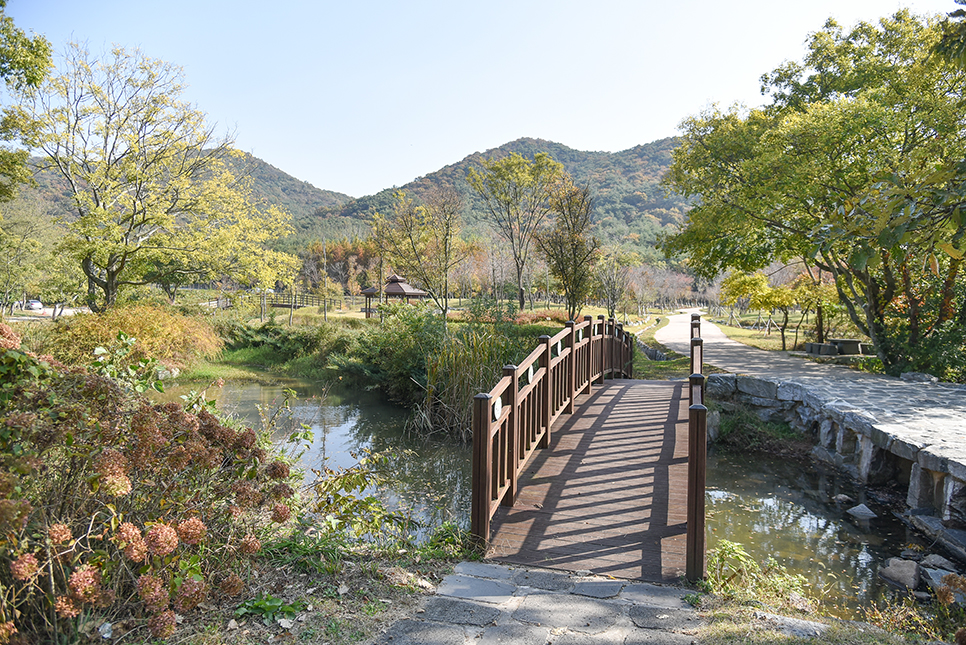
(695, 325)
(482, 471)
(589, 362)
(546, 401)
(571, 374)
(620, 350)
(603, 346)
(514, 439)
(697, 471)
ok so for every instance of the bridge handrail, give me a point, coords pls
(512, 420)
(697, 456)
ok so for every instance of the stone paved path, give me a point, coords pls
(484, 604)
(928, 416)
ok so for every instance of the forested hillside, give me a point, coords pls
(631, 207)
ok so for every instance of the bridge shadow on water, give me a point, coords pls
(610, 495)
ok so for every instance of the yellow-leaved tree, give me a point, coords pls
(153, 201)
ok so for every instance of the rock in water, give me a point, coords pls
(904, 573)
(861, 512)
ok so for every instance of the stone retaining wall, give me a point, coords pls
(852, 441)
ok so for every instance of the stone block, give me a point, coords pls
(826, 433)
(957, 466)
(586, 615)
(821, 453)
(720, 386)
(880, 438)
(791, 392)
(904, 448)
(757, 387)
(714, 425)
(758, 402)
(919, 494)
(903, 573)
(931, 461)
(859, 422)
(868, 454)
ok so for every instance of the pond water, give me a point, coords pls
(774, 507)
(430, 478)
(782, 509)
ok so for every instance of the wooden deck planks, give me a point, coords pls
(610, 495)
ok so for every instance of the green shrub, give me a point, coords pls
(108, 500)
(393, 355)
(162, 334)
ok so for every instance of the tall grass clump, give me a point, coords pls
(163, 334)
(469, 361)
(110, 504)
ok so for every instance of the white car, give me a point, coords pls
(34, 305)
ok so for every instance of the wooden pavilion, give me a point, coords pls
(396, 287)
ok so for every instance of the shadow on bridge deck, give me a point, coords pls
(610, 496)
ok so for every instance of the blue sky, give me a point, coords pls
(360, 95)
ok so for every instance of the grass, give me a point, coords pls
(738, 625)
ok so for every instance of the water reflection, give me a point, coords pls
(785, 510)
(431, 478)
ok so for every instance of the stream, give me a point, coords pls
(774, 507)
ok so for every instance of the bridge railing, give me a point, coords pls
(697, 456)
(515, 418)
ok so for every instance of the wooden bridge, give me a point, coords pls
(578, 471)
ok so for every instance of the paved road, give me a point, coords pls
(928, 415)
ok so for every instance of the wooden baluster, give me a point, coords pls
(571, 369)
(602, 349)
(611, 346)
(619, 348)
(513, 434)
(546, 401)
(482, 470)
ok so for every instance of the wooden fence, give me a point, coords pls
(515, 418)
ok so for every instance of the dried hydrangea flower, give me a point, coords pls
(250, 544)
(192, 531)
(281, 513)
(152, 593)
(85, 583)
(162, 624)
(59, 534)
(25, 567)
(191, 594)
(232, 585)
(161, 539)
(66, 608)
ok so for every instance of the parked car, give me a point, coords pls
(34, 305)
